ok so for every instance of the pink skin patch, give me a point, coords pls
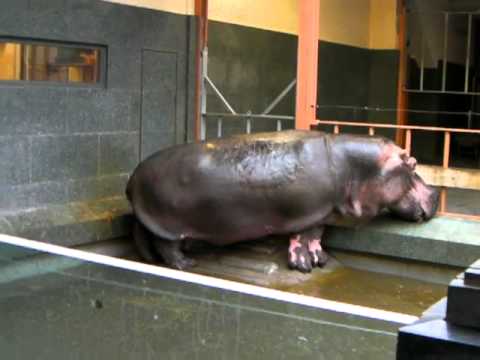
(422, 193)
(314, 248)
(294, 244)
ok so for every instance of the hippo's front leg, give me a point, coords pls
(305, 250)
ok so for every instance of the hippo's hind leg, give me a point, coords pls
(150, 247)
(143, 241)
(305, 250)
(172, 255)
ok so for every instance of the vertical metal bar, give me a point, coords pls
(446, 158)
(203, 106)
(408, 141)
(422, 63)
(248, 128)
(371, 131)
(201, 12)
(469, 119)
(219, 127)
(279, 125)
(445, 48)
(469, 44)
(336, 129)
(402, 95)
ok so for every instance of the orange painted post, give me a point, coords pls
(446, 160)
(408, 141)
(201, 12)
(402, 98)
(307, 63)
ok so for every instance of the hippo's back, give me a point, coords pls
(232, 189)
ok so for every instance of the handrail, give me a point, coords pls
(393, 126)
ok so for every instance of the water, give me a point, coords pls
(376, 290)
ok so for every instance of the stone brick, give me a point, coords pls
(64, 157)
(118, 153)
(14, 161)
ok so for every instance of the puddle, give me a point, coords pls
(380, 291)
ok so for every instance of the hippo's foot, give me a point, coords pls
(172, 255)
(305, 251)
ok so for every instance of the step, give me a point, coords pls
(439, 340)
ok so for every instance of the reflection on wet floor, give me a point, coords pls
(372, 281)
(381, 291)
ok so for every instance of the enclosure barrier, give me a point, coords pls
(443, 176)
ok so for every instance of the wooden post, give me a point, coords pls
(408, 141)
(446, 160)
(402, 96)
(201, 12)
(307, 63)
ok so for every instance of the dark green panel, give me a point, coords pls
(383, 85)
(159, 88)
(250, 67)
(343, 76)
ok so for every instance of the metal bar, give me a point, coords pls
(422, 63)
(402, 96)
(446, 150)
(371, 131)
(219, 94)
(403, 127)
(219, 127)
(441, 92)
(253, 116)
(469, 44)
(280, 97)
(408, 141)
(203, 104)
(445, 48)
(248, 125)
(201, 12)
(307, 63)
(279, 125)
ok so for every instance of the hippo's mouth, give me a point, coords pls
(419, 204)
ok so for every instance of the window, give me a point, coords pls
(61, 63)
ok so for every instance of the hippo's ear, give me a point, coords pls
(394, 157)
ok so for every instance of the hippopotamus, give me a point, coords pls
(290, 183)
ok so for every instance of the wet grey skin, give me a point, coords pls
(290, 183)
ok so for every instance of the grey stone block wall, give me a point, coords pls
(69, 143)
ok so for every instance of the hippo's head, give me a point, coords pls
(383, 177)
(412, 200)
(420, 203)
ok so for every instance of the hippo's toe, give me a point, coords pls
(300, 260)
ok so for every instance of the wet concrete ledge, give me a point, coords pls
(442, 240)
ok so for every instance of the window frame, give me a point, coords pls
(102, 64)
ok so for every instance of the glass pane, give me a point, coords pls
(42, 62)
